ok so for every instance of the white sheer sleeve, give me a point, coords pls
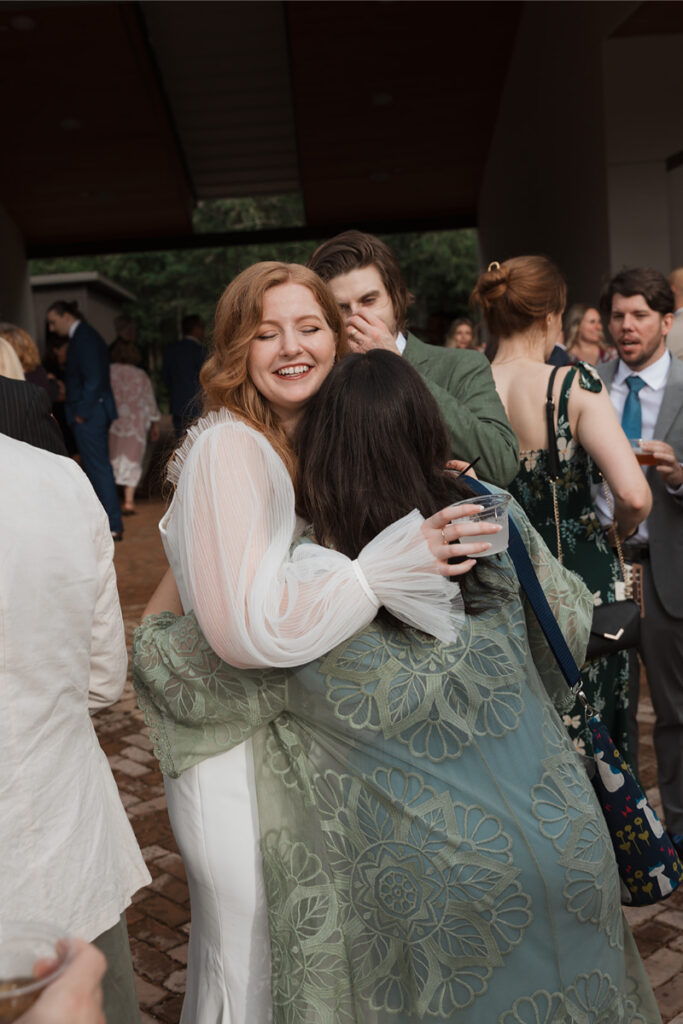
(257, 604)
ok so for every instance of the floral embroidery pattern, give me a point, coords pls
(396, 689)
(593, 999)
(422, 878)
(306, 944)
(569, 815)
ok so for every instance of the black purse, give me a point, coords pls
(616, 624)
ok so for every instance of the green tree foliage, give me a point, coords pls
(439, 267)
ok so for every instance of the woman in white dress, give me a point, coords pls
(227, 536)
(138, 416)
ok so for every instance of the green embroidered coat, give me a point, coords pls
(432, 848)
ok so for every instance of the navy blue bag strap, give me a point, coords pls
(537, 599)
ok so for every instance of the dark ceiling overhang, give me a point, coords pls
(122, 115)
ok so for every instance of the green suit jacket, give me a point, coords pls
(462, 383)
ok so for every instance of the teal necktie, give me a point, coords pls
(632, 418)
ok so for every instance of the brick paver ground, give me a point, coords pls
(159, 919)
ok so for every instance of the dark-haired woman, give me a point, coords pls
(432, 848)
(138, 417)
(522, 301)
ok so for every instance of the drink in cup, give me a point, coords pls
(644, 458)
(495, 510)
(31, 956)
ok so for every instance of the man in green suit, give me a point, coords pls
(366, 280)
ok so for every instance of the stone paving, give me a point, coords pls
(159, 919)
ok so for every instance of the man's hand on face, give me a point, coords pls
(367, 331)
(668, 465)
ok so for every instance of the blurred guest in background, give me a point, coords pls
(138, 415)
(584, 337)
(460, 334)
(183, 359)
(54, 363)
(124, 325)
(24, 408)
(10, 364)
(29, 357)
(674, 339)
(90, 406)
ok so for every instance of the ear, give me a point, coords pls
(667, 323)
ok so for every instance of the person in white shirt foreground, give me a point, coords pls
(68, 853)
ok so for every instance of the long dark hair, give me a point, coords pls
(372, 446)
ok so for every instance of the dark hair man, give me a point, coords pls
(646, 388)
(90, 405)
(366, 280)
(183, 359)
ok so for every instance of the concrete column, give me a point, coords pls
(15, 290)
(643, 84)
(545, 184)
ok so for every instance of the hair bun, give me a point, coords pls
(492, 285)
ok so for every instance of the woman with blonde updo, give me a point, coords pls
(227, 534)
(584, 337)
(10, 364)
(522, 301)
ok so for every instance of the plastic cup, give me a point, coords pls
(31, 956)
(495, 510)
(644, 458)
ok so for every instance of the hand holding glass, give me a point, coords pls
(645, 458)
(494, 513)
(31, 956)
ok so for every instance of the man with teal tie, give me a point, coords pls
(365, 278)
(646, 388)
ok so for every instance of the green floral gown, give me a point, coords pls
(432, 847)
(586, 551)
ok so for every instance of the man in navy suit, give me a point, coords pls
(90, 405)
(183, 360)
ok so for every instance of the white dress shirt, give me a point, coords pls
(67, 850)
(401, 343)
(651, 397)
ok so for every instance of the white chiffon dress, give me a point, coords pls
(227, 536)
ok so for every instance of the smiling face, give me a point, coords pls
(363, 290)
(292, 352)
(590, 328)
(463, 336)
(638, 331)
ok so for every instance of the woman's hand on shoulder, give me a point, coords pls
(441, 533)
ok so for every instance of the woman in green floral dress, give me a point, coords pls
(432, 847)
(523, 300)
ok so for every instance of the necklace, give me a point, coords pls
(514, 359)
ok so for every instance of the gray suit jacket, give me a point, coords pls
(665, 522)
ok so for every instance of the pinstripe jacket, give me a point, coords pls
(26, 415)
